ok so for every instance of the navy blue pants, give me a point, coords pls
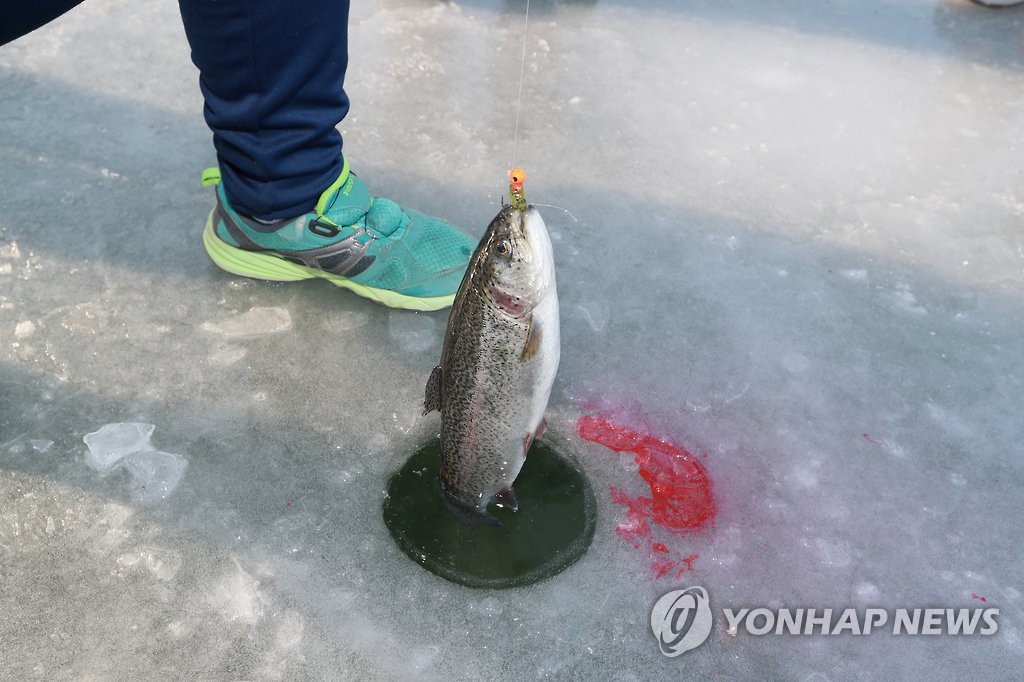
(272, 74)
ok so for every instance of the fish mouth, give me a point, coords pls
(522, 229)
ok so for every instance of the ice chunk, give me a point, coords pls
(41, 444)
(255, 322)
(156, 474)
(24, 329)
(226, 354)
(126, 445)
(112, 442)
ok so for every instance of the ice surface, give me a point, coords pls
(796, 253)
(162, 564)
(238, 596)
(414, 333)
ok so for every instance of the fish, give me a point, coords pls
(498, 362)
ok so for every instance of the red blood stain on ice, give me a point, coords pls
(663, 566)
(680, 488)
(978, 597)
(869, 439)
(680, 500)
(288, 504)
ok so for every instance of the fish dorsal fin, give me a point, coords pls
(533, 340)
(432, 397)
(506, 497)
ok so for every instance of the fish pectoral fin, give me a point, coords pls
(432, 397)
(533, 340)
(506, 497)
(530, 437)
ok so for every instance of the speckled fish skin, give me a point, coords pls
(500, 356)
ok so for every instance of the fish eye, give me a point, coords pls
(503, 248)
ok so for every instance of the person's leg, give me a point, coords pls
(18, 17)
(288, 207)
(272, 74)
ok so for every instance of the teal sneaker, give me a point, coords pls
(398, 257)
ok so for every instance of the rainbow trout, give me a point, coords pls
(499, 360)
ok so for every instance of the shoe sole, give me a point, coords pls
(270, 267)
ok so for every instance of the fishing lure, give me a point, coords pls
(516, 194)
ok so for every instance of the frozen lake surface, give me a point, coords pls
(797, 253)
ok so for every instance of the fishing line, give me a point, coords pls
(522, 70)
(567, 211)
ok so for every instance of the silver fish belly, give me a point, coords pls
(499, 361)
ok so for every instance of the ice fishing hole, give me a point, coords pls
(551, 531)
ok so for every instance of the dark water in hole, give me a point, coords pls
(552, 529)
